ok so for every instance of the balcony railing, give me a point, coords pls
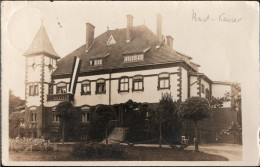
(61, 97)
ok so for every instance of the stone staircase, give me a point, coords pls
(116, 135)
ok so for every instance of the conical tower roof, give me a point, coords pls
(41, 44)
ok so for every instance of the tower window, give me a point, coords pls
(36, 90)
(33, 117)
(31, 91)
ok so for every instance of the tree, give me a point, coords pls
(14, 102)
(165, 114)
(99, 121)
(217, 102)
(235, 98)
(16, 120)
(195, 109)
(64, 111)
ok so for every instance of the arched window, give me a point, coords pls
(85, 115)
(164, 81)
(123, 84)
(101, 86)
(138, 83)
(55, 118)
(33, 114)
(85, 88)
(61, 88)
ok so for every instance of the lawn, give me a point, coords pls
(132, 154)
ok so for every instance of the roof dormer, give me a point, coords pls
(111, 40)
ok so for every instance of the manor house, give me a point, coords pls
(131, 64)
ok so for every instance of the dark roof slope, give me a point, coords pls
(41, 44)
(143, 40)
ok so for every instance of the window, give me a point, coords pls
(55, 118)
(85, 117)
(164, 81)
(31, 90)
(202, 88)
(50, 89)
(101, 86)
(138, 84)
(33, 117)
(123, 84)
(61, 88)
(35, 89)
(96, 62)
(85, 88)
(133, 58)
(207, 94)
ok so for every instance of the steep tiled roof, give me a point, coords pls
(143, 40)
(41, 44)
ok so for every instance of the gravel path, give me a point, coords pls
(232, 152)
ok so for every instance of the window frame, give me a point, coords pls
(36, 90)
(98, 84)
(159, 87)
(203, 88)
(31, 90)
(88, 84)
(57, 87)
(87, 111)
(120, 82)
(57, 119)
(136, 79)
(50, 89)
(33, 116)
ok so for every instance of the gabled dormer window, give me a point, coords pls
(96, 62)
(133, 58)
(111, 40)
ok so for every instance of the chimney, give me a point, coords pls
(169, 41)
(159, 30)
(129, 29)
(89, 35)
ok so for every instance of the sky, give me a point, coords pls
(223, 49)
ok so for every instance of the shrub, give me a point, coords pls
(29, 144)
(234, 129)
(98, 123)
(96, 151)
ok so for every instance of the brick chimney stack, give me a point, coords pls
(129, 29)
(169, 40)
(90, 29)
(159, 30)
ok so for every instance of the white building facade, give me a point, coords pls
(117, 66)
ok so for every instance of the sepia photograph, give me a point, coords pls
(115, 82)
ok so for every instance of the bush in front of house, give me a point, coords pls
(30, 144)
(99, 122)
(96, 151)
(234, 130)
